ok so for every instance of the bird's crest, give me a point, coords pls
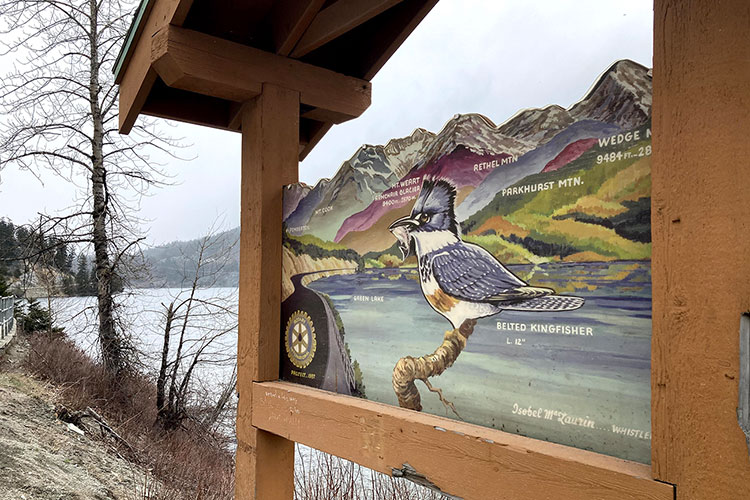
(436, 196)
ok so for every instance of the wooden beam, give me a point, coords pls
(313, 136)
(289, 21)
(211, 66)
(176, 104)
(414, 17)
(235, 115)
(270, 139)
(137, 77)
(461, 459)
(341, 17)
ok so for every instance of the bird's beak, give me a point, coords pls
(405, 222)
(401, 229)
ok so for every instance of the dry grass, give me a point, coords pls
(190, 463)
(187, 463)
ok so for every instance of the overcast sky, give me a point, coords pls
(492, 57)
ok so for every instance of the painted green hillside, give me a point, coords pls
(597, 210)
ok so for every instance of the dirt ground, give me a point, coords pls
(41, 458)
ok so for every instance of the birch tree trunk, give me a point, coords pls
(59, 106)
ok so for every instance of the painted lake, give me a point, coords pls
(580, 378)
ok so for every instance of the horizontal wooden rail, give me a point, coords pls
(466, 460)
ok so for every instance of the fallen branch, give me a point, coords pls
(103, 426)
(409, 369)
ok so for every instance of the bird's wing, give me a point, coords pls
(470, 272)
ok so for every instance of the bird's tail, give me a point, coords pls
(547, 303)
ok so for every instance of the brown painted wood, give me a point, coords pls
(334, 21)
(270, 138)
(176, 104)
(289, 21)
(701, 244)
(412, 17)
(138, 77)
(211, 66)
(466, 460)
(313, 135)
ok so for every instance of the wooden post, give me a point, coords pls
(270, 144)
(701, 242)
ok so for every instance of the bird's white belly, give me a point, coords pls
(454, 310)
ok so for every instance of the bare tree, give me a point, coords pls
(195, 336)
(60, 108)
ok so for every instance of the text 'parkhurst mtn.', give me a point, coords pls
(343, 221)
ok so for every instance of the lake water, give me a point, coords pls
(521, 381)
(589, 391)
(142, 314)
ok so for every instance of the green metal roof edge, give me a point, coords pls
(125, 50)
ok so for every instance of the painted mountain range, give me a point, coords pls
(593, 155)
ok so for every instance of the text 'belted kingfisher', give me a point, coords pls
(460, 280)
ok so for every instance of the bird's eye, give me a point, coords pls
(424, 218)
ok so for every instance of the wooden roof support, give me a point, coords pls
(207, 65)
(334, 21)
(136, 83)
(270, 142)
(467, 460)
(313, 138)
(290, 20)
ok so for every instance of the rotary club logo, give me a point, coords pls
(300, 339)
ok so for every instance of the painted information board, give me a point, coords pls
(495, 274)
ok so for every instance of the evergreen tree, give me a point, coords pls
(8, 243)
(69, 261)
(61, 254)
(69, 285)
(37, 318)
(4, 287)
(82, 276)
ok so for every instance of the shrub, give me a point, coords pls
(35, 318)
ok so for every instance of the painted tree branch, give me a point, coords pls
(410, 369)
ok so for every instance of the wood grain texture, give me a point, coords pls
(313, 135)
(138, 77)
(289, 21)
(337, 19)
(208, 65)
(176, 104)
(396, 39)
(270, 139)
(466, 460)
(701, 244)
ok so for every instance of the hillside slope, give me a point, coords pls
(41, 458)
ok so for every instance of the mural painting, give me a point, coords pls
(494, 274)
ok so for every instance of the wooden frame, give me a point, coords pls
(455, 457)
(700, 120)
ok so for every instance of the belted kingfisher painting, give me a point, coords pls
(527, 244)
(460, 280)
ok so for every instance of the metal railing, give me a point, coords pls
(6, 315)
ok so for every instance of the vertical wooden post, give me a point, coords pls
(270, 145)
(701, 243)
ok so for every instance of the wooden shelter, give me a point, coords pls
(284, 71)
